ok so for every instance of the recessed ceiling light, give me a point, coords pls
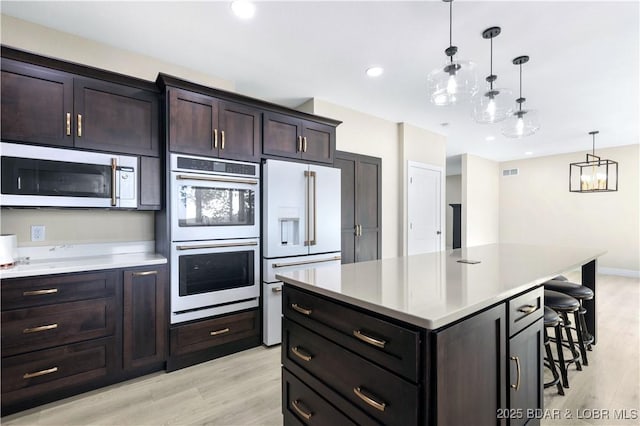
(243, 9)
(445, 124)
(490, 138)
(528, 153)
(375, 71)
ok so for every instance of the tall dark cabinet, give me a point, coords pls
(457, 225)
(361, 206)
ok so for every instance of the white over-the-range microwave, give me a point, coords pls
(37, 176)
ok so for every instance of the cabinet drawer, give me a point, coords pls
(379, 393)
(525, 310)
(28, 292)
(209, 333)
(301, 405)
(35, 373)
(31, 329)
(390, 345)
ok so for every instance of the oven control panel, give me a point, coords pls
(208, 165)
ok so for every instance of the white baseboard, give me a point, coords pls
(621, 272)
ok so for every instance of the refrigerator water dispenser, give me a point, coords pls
(289, 231)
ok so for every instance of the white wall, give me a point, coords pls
(480, 200)
(453, 196)
(536, 207)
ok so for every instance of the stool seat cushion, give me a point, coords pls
(551, 317)
(560, 301)
(572, 289)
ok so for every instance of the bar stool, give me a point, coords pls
(564, 304)
(552, 320)
(580, 293)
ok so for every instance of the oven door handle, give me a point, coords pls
(211, 246)
(218, 179)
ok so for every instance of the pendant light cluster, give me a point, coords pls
(594, 174)
(456, 82)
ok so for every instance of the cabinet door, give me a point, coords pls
(240, 132)
(470, 370)
(525, 372)
(347, 166)
(319, 142)
(115, 118)
(368, 208)
(37, 104)
(144, 326)
(282, 135)
(193, 123)
(150, 184)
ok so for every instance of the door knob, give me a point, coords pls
(438, 232)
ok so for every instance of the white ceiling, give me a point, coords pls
(583, 73)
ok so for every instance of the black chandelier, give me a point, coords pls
(594, 174)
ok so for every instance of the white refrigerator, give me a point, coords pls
(301, 223)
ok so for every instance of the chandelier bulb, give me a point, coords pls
(520, 126)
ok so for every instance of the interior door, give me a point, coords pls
(285, 215)
(424, 208)
(324, 209)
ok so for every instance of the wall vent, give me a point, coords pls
(510, 172)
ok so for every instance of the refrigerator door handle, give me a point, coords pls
(311, 209)
(313, 175)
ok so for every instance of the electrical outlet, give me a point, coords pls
(37, 233)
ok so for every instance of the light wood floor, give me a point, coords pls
(244, 388)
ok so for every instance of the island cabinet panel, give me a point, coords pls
(470, 370)
(204, 125)
(293, 137)
(37, 104)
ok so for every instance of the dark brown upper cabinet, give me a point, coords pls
(37, 104)
(204, 125)
(47, 106)
(293, 137)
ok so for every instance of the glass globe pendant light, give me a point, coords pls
(491, 106)
(522, 122)
(456, 80)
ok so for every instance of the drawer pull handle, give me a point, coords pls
(40, 292)
(300, 309)
(41, 328)
(277, 290)
(527, 309)
(296, 406)
(368, 339)
(370, 401)
(40, 373)
(145, 273)
(300, 354)
(517, 360)
(219, 332)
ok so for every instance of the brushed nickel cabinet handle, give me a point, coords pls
(222, 134)
(370, 340)
(145, 273)
(40, 373)
(299, 352)
(304, 144)
(517, 360)
(355, 232)
(40, 328)
(68, 124)
(299, 144)
(303, 311)
(215, 138)
(296, 406)
(370, 401)
(114, 175)
(40, 292)
(277, 290)
(79, 125)
(527, 309)
(219, 332)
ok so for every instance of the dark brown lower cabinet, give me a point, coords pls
(464, 369)
(66, 334)
(144, 328)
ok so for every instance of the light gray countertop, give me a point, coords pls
(433, 290)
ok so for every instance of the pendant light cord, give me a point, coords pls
(594, 144)
(520, 103)
(491, 66)
(450, 25)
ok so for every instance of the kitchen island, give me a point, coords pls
(424, 339)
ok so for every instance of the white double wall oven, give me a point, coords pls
(215, 236)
